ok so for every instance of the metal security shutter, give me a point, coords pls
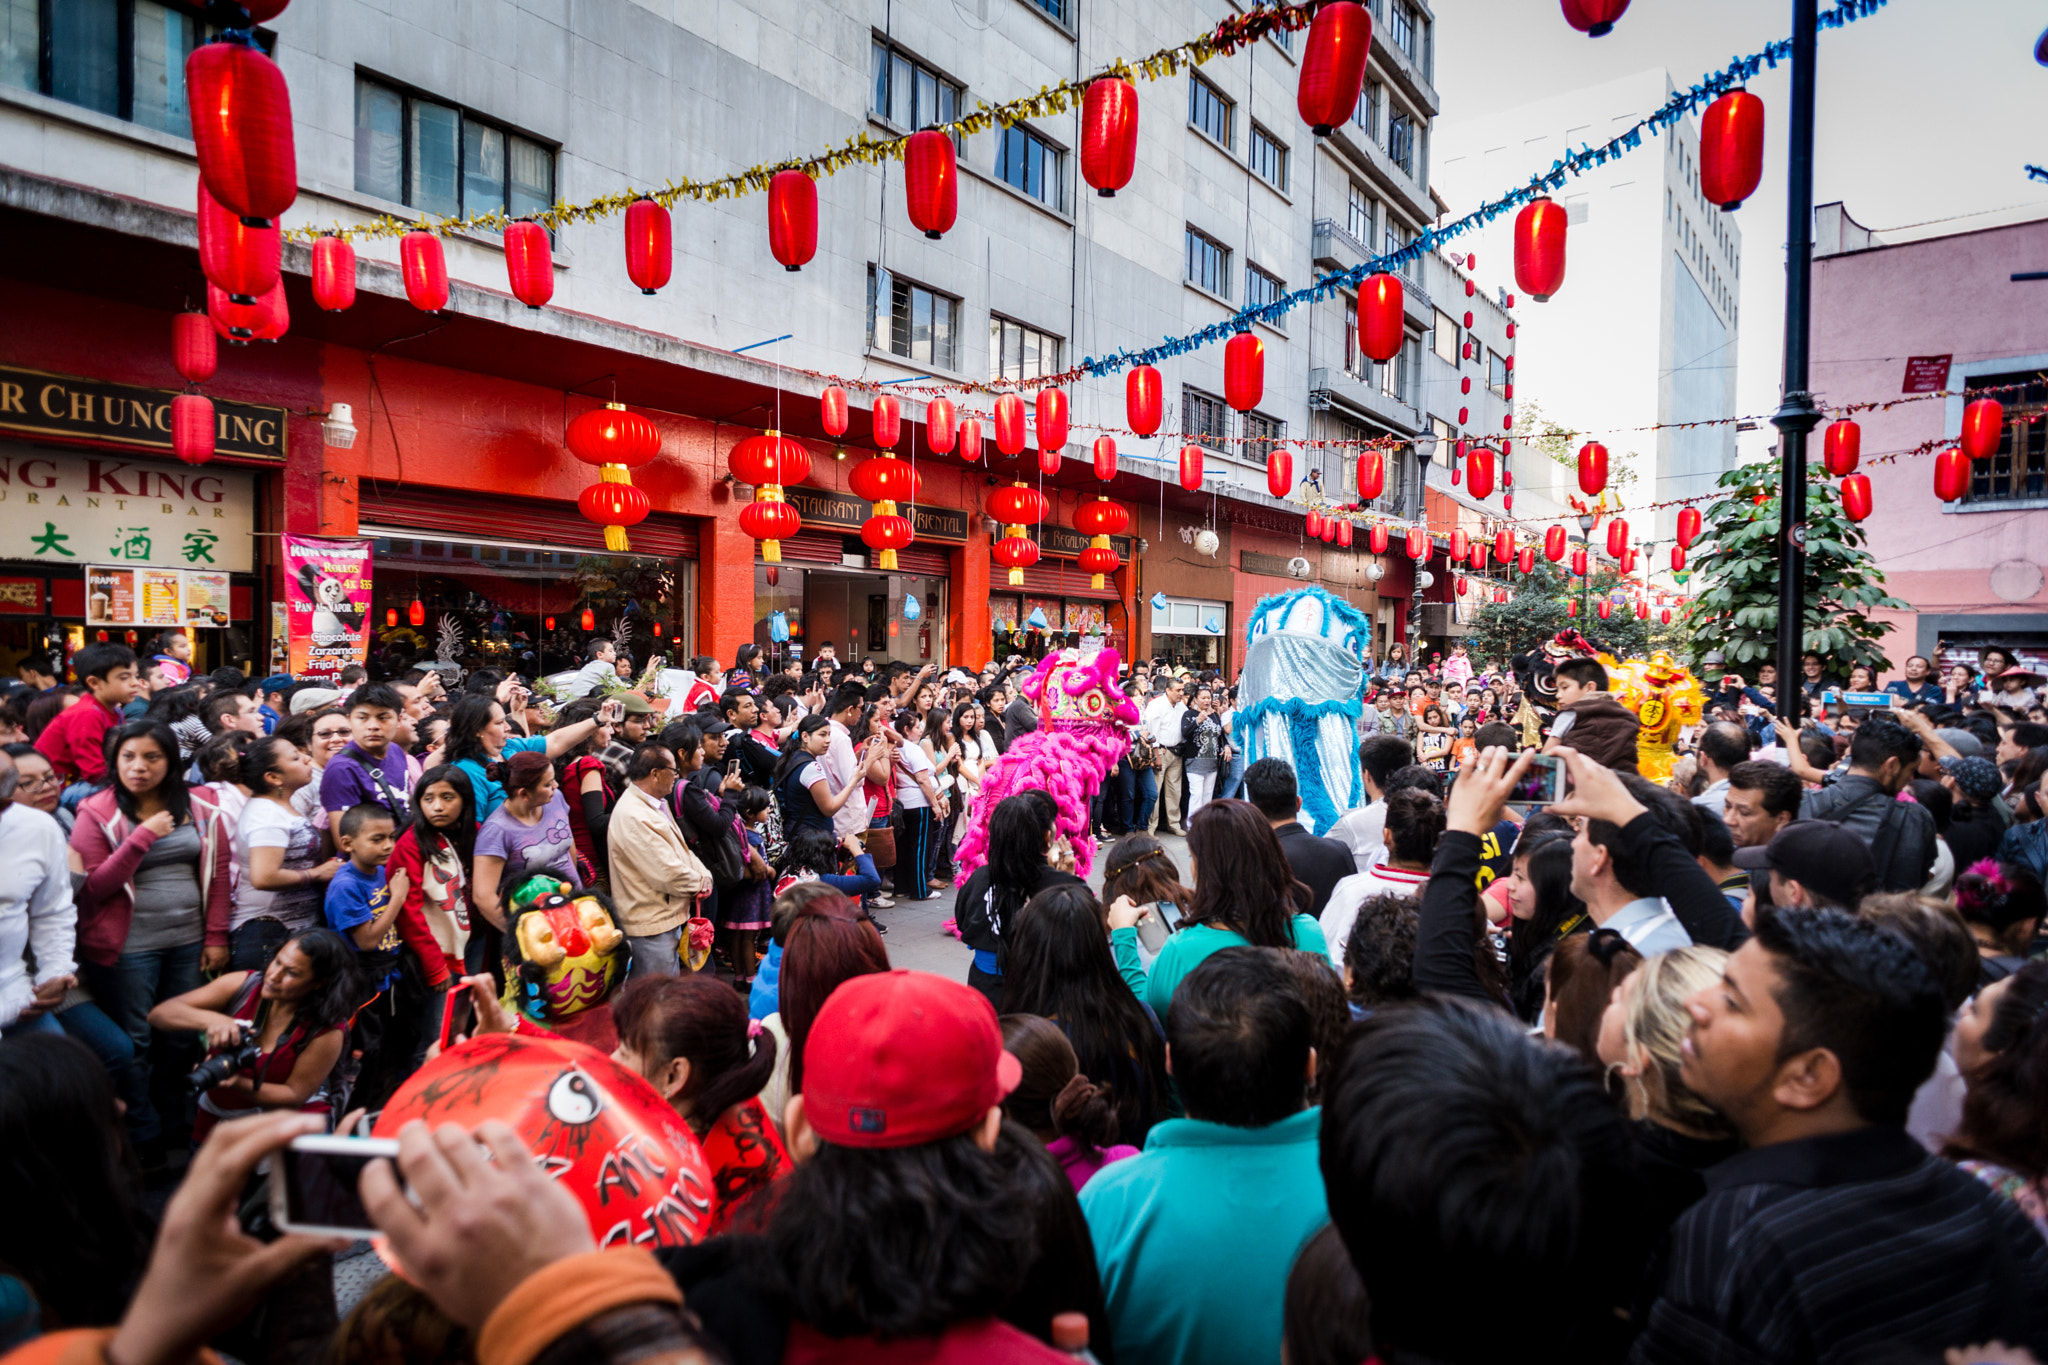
(811, 547)
(1064, 578)
(931, 560)
(436, 512)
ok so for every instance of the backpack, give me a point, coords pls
(723, 853)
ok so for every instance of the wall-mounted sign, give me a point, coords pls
(118, 595)
(87, 409)
(1068, 543)
(1926, 373)
(21, 596)
(827, 510)
(73, 508)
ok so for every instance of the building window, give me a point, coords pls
(122, 58)
(1204, 418)
(910, 94)
(1359, 214)
(1208, 264)
(445, 161)
(1403, 27)
(1026, 161)
(1056, 8)
(1263, 436)
(1401, 140)
(1446, 337)
(2019, 468)
(1269, 158)
(921, 324)
(1019, 352)
(1260, 288)
(1208, 110)
(1366, 114)
(1496, 372)
(1355, 362)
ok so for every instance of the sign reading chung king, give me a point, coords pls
(64, 406)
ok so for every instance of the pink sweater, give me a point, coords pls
(1081, 1162)
(111, 848)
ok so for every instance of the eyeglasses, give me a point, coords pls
(36, 784)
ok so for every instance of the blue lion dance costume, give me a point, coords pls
(1301, 694)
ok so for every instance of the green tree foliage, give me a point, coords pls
(1538, 612)
(1735, 563)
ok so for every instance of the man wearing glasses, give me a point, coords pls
(35, 909)
(655, 878)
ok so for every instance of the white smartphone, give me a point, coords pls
(313, 1184)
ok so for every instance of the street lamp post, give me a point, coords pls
(1587, 521)
(1425, 448)
(1796, 414)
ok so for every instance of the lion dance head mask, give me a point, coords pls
(564, 951)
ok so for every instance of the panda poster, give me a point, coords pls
(327, 604)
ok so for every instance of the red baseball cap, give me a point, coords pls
(900, 1058)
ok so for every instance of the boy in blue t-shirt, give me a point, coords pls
(360, 906)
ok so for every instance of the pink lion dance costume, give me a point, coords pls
(1083, 720)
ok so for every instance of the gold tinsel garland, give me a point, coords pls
(864, 148)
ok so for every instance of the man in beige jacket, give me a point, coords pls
(655, 878)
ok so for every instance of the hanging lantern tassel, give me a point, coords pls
(615, 503)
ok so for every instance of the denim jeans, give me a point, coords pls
(22, 1028)
(252, 945)
(1232, 779)
(657, 953)
(126, 992)
(1147, 783)
(88, 1023)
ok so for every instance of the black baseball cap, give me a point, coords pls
(1828, 860)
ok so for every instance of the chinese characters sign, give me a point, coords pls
(120, 414)
(327, 596)
(61, 508)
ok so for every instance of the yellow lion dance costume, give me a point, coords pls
(1664, 697)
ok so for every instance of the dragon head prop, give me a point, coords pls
(564, 951)
(1069, 688)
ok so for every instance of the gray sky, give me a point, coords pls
(1927, 109)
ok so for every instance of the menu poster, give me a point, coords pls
(157, 598)
(109, 597)
(206, 598)
(327, 595)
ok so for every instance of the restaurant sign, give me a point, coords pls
(1067, 543)
(77, 508)
(37, 404)
(825, 509)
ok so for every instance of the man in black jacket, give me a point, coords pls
(1882, 759)
(1317, 863)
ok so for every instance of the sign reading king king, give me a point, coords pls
(74, 508)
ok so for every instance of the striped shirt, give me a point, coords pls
(1827, 1249)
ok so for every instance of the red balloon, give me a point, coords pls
(1732, 149)
(931, 182)
(1109, 135)
(194, 348)
(1688, 526)
(1333, 65)
(940, 431)
(793, 217)
(1983, 425)
(650, 245)
(1856, 496)
(529, 263)
(1844, 445)
(1381, 328)
(242, 128)
(1951, 474)
(1539, 248)
(192, 427)
(1010, 424)
(334, 274)
(1142, 400)
(1280, 473)
(1594, 18)
(1105, 458)
(886, 418)
(1554, 543)
(1372, 475)
(1244, 371)
(1592, 468)
(425, 266)
(1191, 467)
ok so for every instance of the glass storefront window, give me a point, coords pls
(859, 615)
(519, 608)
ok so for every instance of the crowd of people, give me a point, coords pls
(1747, 1065)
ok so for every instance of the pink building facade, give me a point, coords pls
(1972, 569)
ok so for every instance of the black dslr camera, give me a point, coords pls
(226, 1065)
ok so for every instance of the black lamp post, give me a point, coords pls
(1425, 448)
(1587, 521)
(1796, 414)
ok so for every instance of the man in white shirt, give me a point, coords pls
(1363, 831)
(35, 911)
(1722, 746)
(1162, 722)
(601, 669)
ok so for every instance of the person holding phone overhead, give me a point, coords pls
(479, 738)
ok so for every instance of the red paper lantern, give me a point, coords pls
(1017, 553)
(1109, 135)
(1507, 362)
(416, 614)
(1463, 584)
(1579, 562)
(613, 434)
(1507, 502)
(1244, 370)
(1592, 468)
(1844, 446)
(589, 621)
(888, 534)
(1101, 518)
(390, 617)
(770, 522)
(1554, 543)
(1010, 423)
(885, 479)
(242, 260)
(1856, 496)
(1983, 424)
(1477, 559)
(1104, 451)
(1479, 474)
(931, 182)
(940, 426)
(1376, 538)
(1470, 289)
(425, 266)
(1594, 18)
(1142, 400)
(1465, 384)
(1511, 331)
(886, 420)
(1504, 545)
(1571, 608)
(1418, 543)
(769, 460)
(1468, 318)
(242, 125)
(1507, 422)
(1312, 524)
(1617, 537)
(1191, 467)
(1678, 559)
(1628, 559)
(650, 245)
(267, 319)
(832, 413)
(194, 348)
(1605, 608)
(1732, 149)
(334, 274)
(1665, 616)
(621, 504)
(1052, 425)
(1381, 326)
(1099, 560)
(1372, 475)
(1526, 561)
(1642, 611)
(1333, 65)
(1280, 473)
(1539, 248)
(1464, 416)
(1344, 533)
(529, 263)
(1329, 530)
(1458, 544)
(1017, 505)
(1688, 526)
(970, 439)
(192, 427)
(793, 217)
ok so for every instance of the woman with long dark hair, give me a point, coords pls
(2001, 1047)
(479, 738)
(284, 856)
(1542, 911)
(1059, 966)
(582, 777)
(800, 784)
(293, 1010)
(151, 863)
(528, 833)
(1138, 868)
(1020, 840)
(437, 854)
(1245, 895)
